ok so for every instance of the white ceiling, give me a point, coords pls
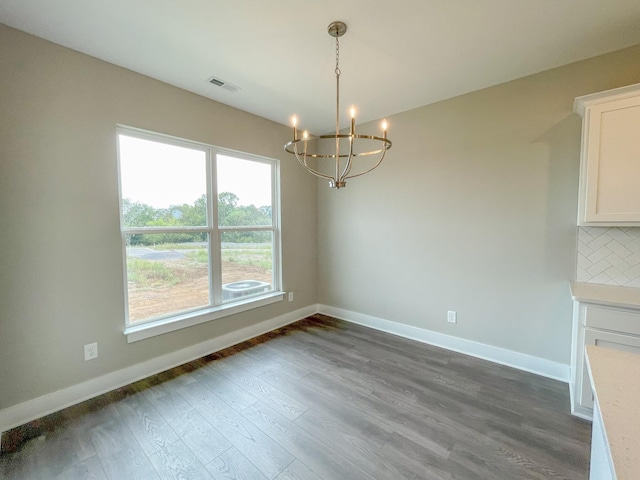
(395, 56)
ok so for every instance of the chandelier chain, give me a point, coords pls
(337, 139)
(338, 72)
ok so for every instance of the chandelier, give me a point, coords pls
(342, 149)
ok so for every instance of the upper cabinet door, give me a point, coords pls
(610, 159)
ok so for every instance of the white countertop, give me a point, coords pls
(615, 376)
(613, 295)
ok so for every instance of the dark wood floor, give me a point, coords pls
(320, 399)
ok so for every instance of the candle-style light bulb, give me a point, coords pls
(352, 111)
(384, 129)
(305, 136)
(294, 122)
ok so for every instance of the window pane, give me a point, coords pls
(162, 184)
(244, 192)
(166, 273)
(247, 264)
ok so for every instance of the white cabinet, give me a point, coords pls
(610, 158)
(602, 325)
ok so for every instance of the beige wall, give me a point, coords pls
(473, 210)
(61, 283)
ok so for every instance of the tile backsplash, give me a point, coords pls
(609, 255)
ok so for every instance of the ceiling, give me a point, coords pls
(394, 57)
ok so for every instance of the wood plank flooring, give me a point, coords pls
(317, 400)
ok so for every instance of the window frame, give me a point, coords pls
(217, 308)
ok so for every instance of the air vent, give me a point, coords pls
(222, 84)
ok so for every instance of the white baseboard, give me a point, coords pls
(521, 361)
(30, 410)
(583, 412)
(578, 410)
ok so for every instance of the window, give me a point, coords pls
(199, 231)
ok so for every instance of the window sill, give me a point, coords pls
(135, 333)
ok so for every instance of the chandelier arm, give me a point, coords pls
(372, 168)
(349, 164)
(304, 154)
(308, 168)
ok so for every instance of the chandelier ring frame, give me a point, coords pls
(291, 147)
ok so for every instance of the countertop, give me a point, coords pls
(616, 296)
(615, 376)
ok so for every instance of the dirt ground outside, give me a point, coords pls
(190, 290)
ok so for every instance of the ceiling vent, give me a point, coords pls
(222, 84)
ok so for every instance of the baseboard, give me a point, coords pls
(30, 410)
(582, 412)
(521, 361)
(576, 409)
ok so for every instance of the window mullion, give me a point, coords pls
(248, 228)
(215, 254)
(182, 229)
(276, 271)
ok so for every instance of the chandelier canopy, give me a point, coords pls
(343, 148)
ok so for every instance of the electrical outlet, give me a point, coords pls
(91, 351)
(291, 296)
(452, 317)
